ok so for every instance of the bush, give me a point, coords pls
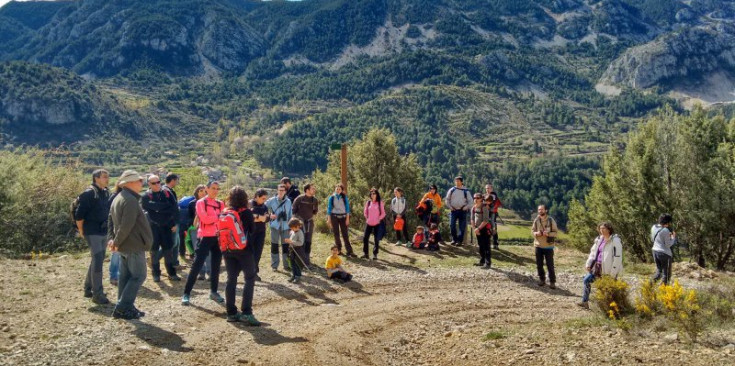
(677, 304)
(611, 297)
(35, 198)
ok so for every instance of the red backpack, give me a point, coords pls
(230, 233)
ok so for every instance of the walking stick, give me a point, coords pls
(300, 259)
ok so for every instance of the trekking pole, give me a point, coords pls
(300, 259)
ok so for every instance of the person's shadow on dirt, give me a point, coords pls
(267, 336)
(159, 338)
(516, 259)
(531, 282)
(287, 293)
(147, 293)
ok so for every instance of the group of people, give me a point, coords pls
(131, 223)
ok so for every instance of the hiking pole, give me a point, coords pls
(300, 259)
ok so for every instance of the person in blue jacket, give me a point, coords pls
(280, 213)
(338, 218)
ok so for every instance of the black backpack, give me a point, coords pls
(75, 204)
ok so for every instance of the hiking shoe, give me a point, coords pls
(257, 278)
(352, 255)
(88, 293)
(584, 305)
(156, 278)
(541, 283)
(552, 286)
(296, 279)
(174, 278)
(137, 311)
(399, 243)
(365, 256)
(202, 277)
(250, 320)
(113, 282)
(233, 318)
(185, 300)
(100, 300)
(292, 279)
(126, 315)
(375, 257)
(216, 297)
(487, 265)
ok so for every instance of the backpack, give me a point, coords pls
(398, 225)
(230, 233)
(451, 193)
(75, 205)
(184, 209)
(165, 191)
(424, 207)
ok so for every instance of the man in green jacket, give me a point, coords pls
(129, 234)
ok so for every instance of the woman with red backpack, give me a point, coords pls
(208, 210)
(239, 255)
(374, 214)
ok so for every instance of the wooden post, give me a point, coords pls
(344, 166)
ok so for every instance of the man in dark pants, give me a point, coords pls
(304, 208)
(544, 233)
(663, 239)
(172, 180)
(459, 201)
(493, 203)
(162, 210)
(261, 217)
(91, 218)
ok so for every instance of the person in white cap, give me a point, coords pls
(129, 234)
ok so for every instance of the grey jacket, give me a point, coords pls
(662, 242)
(128, 227)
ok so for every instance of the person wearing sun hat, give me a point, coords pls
(129, 234)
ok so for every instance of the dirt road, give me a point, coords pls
(399, 311)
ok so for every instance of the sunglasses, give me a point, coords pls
(154, 183)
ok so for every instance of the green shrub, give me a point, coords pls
(35, 197)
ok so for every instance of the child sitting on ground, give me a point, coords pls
(419, 239)
(435, 237)
(296, 249)
(334, 267)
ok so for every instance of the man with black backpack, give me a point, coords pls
(172, 180)
(459, 201)
(292, 190)
(162, 210)
(91, 210)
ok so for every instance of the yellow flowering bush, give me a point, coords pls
(611, 297)
(680, 305)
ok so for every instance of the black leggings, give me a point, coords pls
(209, 245)
(366, 240)
(235, 263)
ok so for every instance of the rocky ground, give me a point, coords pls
(408, 308)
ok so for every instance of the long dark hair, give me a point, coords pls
(237, 198)
(377, 194)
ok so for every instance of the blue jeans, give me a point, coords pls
(588, 279)
(132, 275)
(114, 266)
(454, 217)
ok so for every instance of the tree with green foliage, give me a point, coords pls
(373, 161)
(681, 164)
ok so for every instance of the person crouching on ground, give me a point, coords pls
(435, 237)
(296, 249)
(334, 267)
(419, 239)
(606, 259)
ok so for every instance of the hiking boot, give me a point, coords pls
(156, 278)
(216, 297)
(296, 279)
(250, 320)
(100, 300)
(365, 256)
(126, 315)
(399, 243)
(375, 257)
(88, 293)
(351, 255)
(341, 253)
(174, 278)
(541, 283)
(584, 305)
(137, 311)
(487, 265)
(257, 278)
(233, 318)
(552, 286)
(292, 279)
(185, 300)
(202, 277)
